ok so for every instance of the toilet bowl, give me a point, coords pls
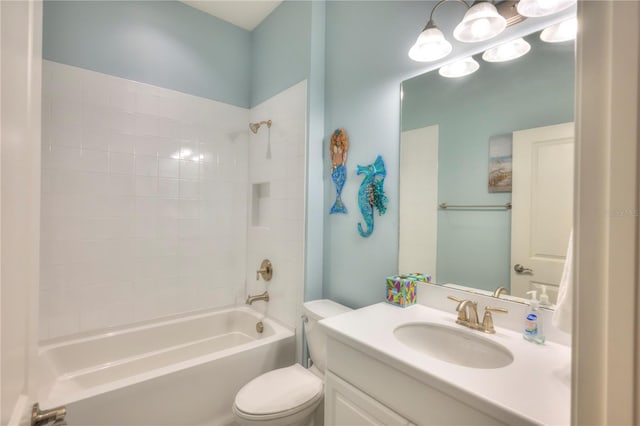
(290, 396)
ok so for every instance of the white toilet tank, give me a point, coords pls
(314, 311)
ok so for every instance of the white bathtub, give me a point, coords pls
(185, 371)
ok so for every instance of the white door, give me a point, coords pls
(542, 207)
(20, 94)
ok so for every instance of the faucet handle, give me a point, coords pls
(266, 270)
(462, 313)
(487, 320)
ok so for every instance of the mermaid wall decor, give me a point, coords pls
(338, 149)
(371, 194)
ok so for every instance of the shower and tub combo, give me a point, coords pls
(150, 313)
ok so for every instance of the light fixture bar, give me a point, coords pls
(509, 11)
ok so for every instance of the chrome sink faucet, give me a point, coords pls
(264, 296)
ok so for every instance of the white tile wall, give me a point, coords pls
(280, 234)
(144, 201)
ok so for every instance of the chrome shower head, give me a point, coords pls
(255, 126)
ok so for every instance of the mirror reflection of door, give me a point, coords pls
(418, 227)
(542, 207)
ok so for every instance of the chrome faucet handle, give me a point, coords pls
(462, 313)
(487, 320)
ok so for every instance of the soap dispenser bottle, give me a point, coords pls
(533, 327)
(544, 297)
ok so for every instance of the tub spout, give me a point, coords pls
(264, 296)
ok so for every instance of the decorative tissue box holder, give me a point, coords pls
(401, 291)
(419, 277)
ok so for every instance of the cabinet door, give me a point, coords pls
(346, 405)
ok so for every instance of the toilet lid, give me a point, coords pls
(279, 390)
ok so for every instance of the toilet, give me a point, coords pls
(291, 395)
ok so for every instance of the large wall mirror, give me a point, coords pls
(497, 148)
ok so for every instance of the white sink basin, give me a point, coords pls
(454, 345)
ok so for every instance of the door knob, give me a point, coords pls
(522, 270)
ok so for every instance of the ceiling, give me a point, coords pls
(245, 14)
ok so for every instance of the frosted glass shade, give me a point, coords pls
(537, 8)
(460, 68)
(563, 31)
(507, 51)
(481, 22)
(430, 46)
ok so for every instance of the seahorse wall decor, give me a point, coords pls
(338, 149)
(371, 194)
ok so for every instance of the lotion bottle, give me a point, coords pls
(544, 297)
(533, 327)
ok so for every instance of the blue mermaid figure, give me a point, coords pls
(371, 194)
(338, 148)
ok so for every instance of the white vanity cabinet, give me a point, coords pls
(361, 390)
(346, 405)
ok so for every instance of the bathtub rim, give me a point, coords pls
(87, 336)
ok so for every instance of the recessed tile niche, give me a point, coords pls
(260, 204)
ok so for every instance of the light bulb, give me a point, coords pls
(563, 31)
(480, 27)
(546, 4)
(460, 68)
(538, 8)
(507, 51)
(481, 22)
(430, 45)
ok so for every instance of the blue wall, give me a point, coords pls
(286, 48)
(365, 65)
(164, 43)
(533, 91)
(280, 50)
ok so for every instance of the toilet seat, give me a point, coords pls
(279, 393)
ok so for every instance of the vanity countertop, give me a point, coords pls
(535, 388)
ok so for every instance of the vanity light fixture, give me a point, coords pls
(538, 8)
(482, 21)
(459, 68)
(507, 51)
(563, 31)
